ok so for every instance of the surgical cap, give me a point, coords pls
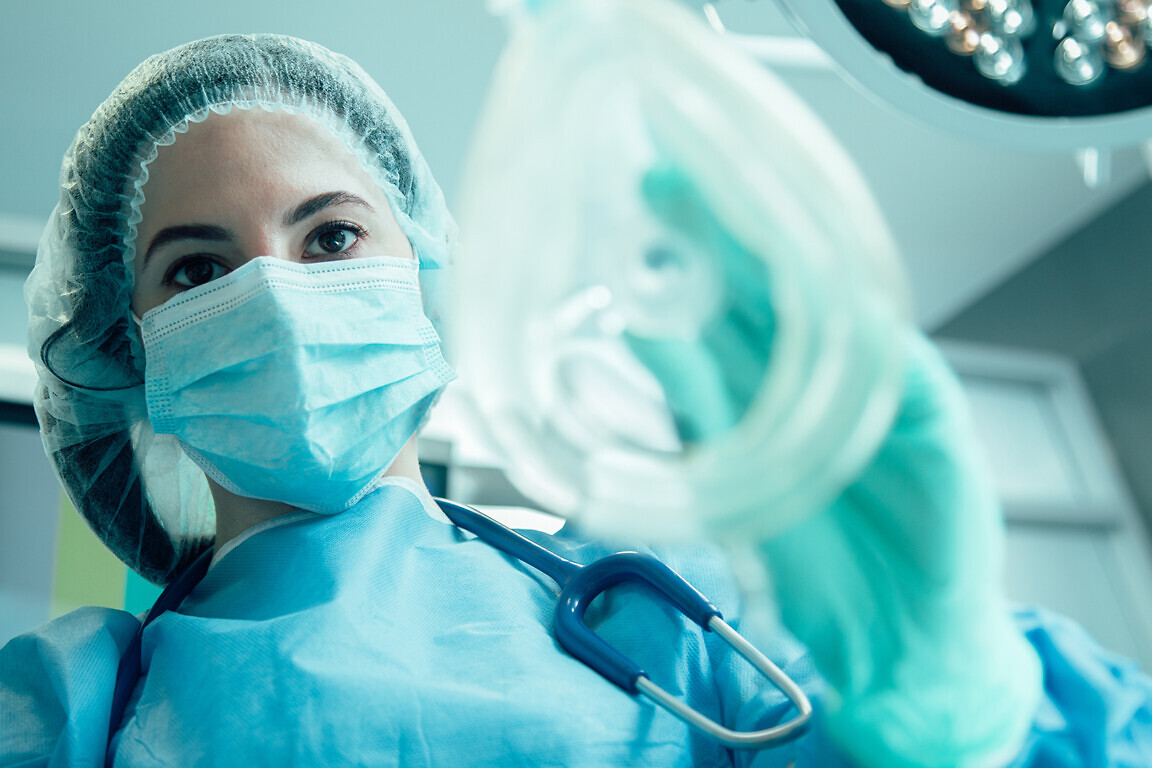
(137, 490)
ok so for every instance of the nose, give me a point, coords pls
(265, 243)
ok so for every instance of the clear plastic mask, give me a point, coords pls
(681, 311)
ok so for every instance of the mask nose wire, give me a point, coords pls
(139, 320)
(415, 262)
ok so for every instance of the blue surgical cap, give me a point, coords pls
(144, 499)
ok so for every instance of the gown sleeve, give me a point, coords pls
(1096, 710)
(56, 686)
(1097, 705)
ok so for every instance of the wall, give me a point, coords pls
(13, 313)
(1088, 298)
(61, 58)
(28, 529)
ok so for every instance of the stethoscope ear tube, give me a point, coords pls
(128, 673)
(768, 737)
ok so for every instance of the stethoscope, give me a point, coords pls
(579, 586)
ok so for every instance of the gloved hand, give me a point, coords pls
(895, 588)
(895, 591)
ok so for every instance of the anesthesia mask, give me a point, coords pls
(680, 310)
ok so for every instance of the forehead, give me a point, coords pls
(250, 152)
(255, 134)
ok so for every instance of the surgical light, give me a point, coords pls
(1000, 58)
(963, 34)
(1013, 18)
(1086, 20)
(1041, 74)
(1120, 49)
(1132, 11)
(931, 16)
(994, 32)
(1078, 63)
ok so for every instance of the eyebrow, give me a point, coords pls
(209, 232)
(325, 200)
(216, 234)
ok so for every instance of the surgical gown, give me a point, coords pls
(386, 636)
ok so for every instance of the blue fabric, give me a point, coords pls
(384, 637)
(1097, 710)
(56, 688)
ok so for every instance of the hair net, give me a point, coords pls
(148, 503)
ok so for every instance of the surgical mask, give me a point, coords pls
(295, 383)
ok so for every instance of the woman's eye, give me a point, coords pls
(338, 239)
(196, 271)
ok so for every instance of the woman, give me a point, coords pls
(235, 315)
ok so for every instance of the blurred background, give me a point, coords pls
(1030, 266)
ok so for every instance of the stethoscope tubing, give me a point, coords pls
(581, 584)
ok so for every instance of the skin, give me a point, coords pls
(255, 183)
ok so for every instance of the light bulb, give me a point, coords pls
(1131, 12)
(1000, 59)
(931, 16)
(1078, 63)
(1012, 18)
(1086, 20)
(1120, 50)
(962, 35)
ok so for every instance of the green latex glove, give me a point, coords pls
(895, 588)
(895, 591)
(710, 381)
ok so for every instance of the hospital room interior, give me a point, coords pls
(1024, 244)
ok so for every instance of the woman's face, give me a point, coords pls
(254, 183)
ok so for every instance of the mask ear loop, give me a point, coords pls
(138, 342)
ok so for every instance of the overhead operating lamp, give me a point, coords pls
(1037, 74)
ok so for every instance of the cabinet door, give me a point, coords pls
(1076, 542)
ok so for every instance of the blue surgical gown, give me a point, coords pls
(383, 636)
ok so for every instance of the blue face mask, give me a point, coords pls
(295, 383)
